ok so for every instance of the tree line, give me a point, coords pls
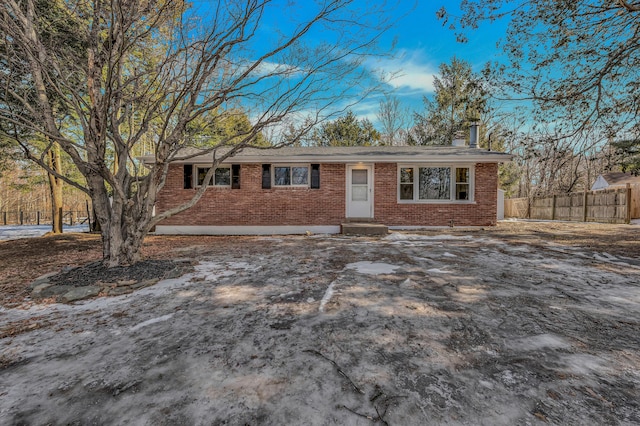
(86, 87)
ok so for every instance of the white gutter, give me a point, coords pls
(259, 159)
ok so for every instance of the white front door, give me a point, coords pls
(360, 191)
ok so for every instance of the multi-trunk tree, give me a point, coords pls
(124, 73)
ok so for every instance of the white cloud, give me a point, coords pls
(409, 70)
(367, 108)
(273, 68)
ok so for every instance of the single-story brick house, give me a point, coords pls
(298, 189)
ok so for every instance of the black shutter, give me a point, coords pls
(235, 176)
(315, 176)
(266, 176)
(188, 176)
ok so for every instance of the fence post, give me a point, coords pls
(21, 217)
(584, 206)
(38, 217)
(627, 218)
(553, 208)
(88, 216)
(60, 221)
(4, 218)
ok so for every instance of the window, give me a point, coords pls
(462, 183)
(202, 173)
(406, 183)
(291, 175)
(221, 176)
(434, 183)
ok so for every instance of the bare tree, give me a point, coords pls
(554, 165)
(573, 69)
(577, 62)
(394, 120)
(126, 71)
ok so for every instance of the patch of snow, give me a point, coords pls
(243, 265)
(13, 232)
(508, 378)
(372, 268)
(447, 254)
(327, 296)
(585, 364)
(151, 321)
(213, 271)
(398, 236)
(287, 294)
(438, 271)
(541, 341)
(485, 384)
(606, 257)
(635, 221)
(230, 358)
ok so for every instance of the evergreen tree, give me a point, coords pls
(459, 98)
(346, 131)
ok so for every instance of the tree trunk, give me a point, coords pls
(122, 242)
(122, 226)
(55, 187)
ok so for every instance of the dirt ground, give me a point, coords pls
(525, 323)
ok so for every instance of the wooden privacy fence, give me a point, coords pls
(516, 207)
(612, 205)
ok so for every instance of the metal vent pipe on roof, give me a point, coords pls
(473, 136)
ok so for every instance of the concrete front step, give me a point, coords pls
(352, 228)
(359, 220)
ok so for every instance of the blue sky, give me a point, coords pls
(422, 43)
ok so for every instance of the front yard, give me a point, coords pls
(525, 323)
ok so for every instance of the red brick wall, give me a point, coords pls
(480, 213)
(252, 205)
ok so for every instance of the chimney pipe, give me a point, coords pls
(473, 136)
(458, 139)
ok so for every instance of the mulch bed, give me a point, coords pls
(96, 272)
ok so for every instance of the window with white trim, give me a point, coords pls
(435, 183)
(290, 175)
(221, 176)
(462, 184)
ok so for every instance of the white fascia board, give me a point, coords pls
(445, 159)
